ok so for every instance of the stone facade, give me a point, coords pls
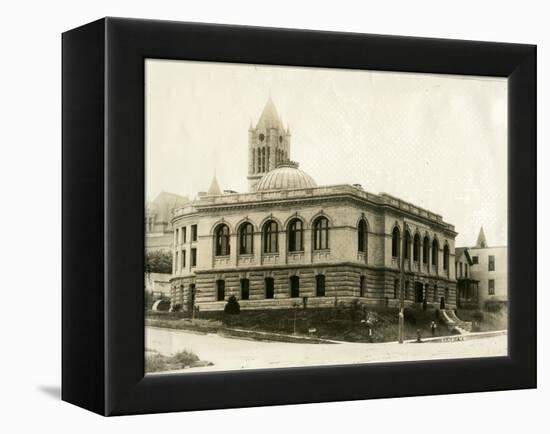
(350, 243)
(158, 221)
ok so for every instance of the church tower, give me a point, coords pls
(481, 240)
(268, 144)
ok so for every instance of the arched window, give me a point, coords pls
(245, 289)
(296, 236)
(222, 241)
(269, 287)
(395, 240)
(220, 290)
(363, 286)
(246, 239)
(271, 230)
(320, 234)
(435, 252)
(446, 257)
(294, 286)
(416, 248)
(425, 250)
(362, 236)
(320, 285)
(407, 244)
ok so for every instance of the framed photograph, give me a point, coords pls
(258, 216)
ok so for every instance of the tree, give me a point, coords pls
(158, 261)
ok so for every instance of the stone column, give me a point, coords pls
(257, 248)
(283, 248)
(308, 246)
(233, 250)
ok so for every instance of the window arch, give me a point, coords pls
(395, 240)
(296, 235)
(270, 234)
(320, 234)
(362, 234)
(435, 252)
(416, 248)
(294, 286)
(320, 285)
(446, 257)
(246, 239)
(223, 247)
(426, 250)
(407, 244)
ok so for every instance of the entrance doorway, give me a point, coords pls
(418, 292)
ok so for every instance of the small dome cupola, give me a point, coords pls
(286, 175)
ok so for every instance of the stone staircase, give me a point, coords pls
(454, 323)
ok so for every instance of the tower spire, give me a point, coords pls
(214, 189)
(268, 144)
(481, 240)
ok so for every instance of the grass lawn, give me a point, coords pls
(345, 323)
(483, 321)
(156, 362)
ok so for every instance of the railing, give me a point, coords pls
(295, 257)
(221, 261)
(246, 259)
(383, 198)
(270, 258)
(321, 255)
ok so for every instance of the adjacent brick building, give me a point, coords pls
(290, 242)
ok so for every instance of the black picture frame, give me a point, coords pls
(103, 214)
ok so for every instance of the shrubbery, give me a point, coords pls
(478, 315)
(232, 307)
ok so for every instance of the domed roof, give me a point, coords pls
(285, 176)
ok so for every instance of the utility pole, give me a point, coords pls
(401, 330)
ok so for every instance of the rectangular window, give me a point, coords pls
(220, 290)
(475, 260)
(320, 281)
(176, 261)
(269, 287)
(176, 236)
(461, 269)
(193, 232)
(193, 257)
(491, 263)
(245, 289)
(183, 258)
(295, 287)
(465, 270)
(184, 234)
(491, 287)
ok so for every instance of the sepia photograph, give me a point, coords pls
(300, 216)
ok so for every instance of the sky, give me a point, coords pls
(438, 141)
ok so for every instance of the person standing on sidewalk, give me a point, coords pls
(433, 327)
